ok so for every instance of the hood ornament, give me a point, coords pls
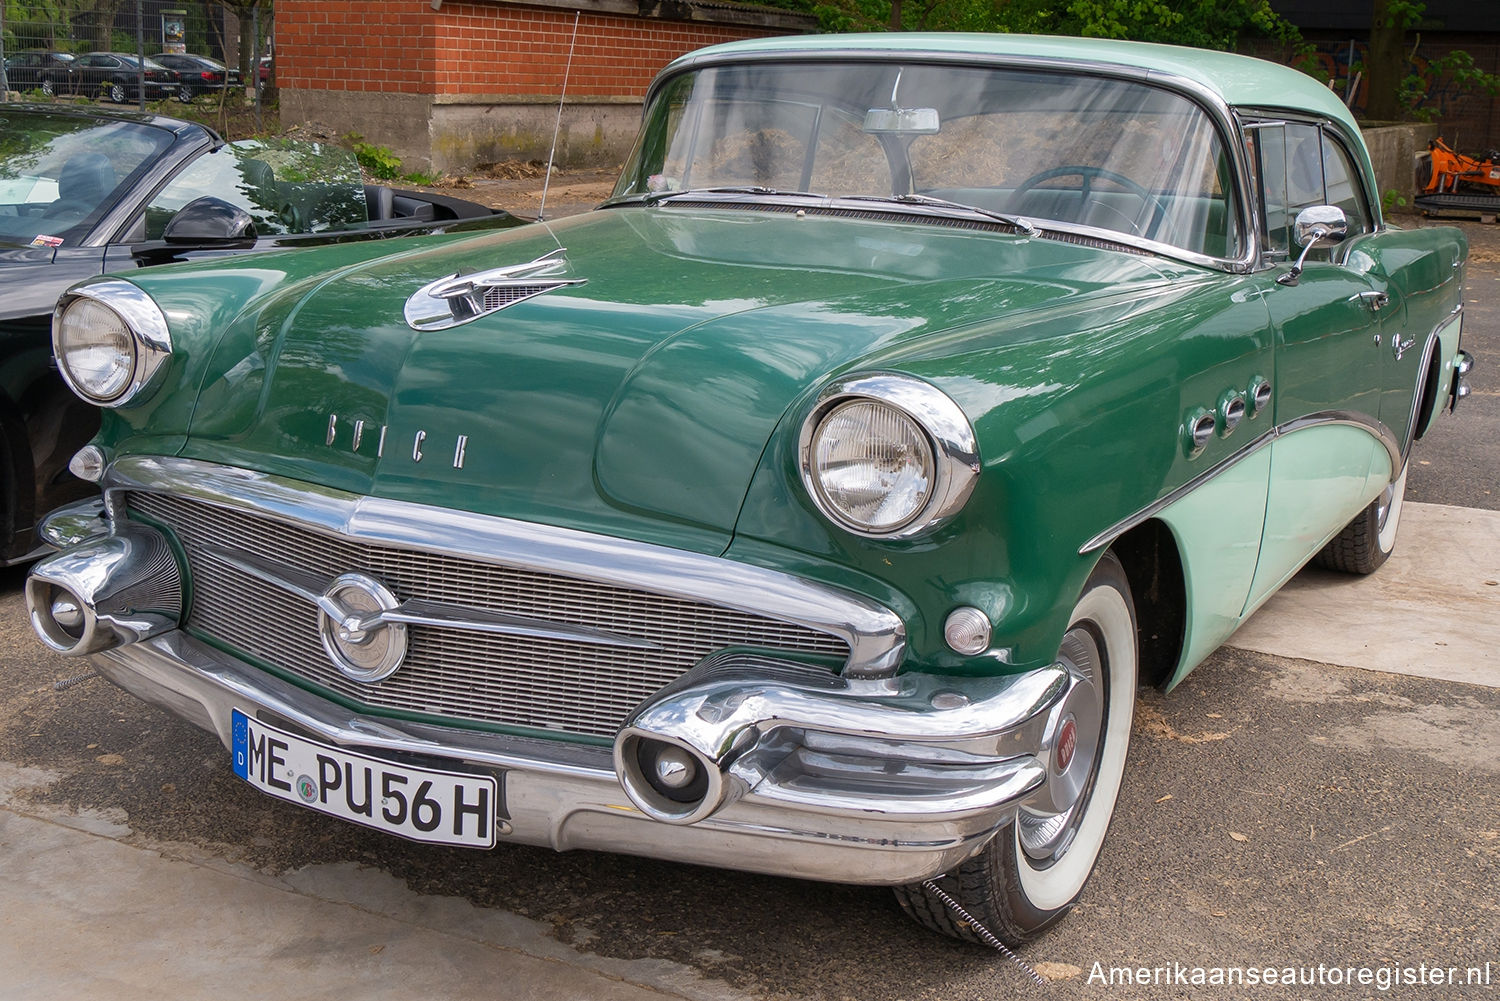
(460, 298)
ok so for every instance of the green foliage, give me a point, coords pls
(1214, 24)
(383, 164)
(377, 161)
(1391, 199)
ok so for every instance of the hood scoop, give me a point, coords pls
(460, 298)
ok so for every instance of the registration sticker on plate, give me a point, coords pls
(424, 804)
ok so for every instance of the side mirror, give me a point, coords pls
(1315, 226)
(210, 220)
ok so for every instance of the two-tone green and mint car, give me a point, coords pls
(815, 506)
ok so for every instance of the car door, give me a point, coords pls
(1331, 325)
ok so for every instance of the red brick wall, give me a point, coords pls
(404, 46)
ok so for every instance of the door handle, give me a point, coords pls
(1375, 300)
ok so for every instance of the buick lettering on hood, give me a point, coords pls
(814, 506)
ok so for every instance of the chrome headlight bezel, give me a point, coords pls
(151, 342)
(949, 438)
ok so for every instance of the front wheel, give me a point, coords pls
(1367, 541)
(49, 89)
(1034, 869)
(117, 93)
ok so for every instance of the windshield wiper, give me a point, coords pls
(657, 197)
(1025, 225)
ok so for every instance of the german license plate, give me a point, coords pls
(423, 804)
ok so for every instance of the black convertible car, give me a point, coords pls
(84, 192)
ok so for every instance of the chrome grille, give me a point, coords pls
(454, 674)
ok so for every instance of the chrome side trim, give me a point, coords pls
(876, 635)
(1321, 419)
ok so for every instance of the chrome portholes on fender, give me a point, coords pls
(1232, 410)
(1259, 396)
(1198, 431)
(1034, 869)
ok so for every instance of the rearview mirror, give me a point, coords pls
(901, 121)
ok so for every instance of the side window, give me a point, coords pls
(1343, 186)
(1298, 166)
(286, 188)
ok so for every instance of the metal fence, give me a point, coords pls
(43, 45)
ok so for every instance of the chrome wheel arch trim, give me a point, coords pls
(1324, 418)
(876, 635)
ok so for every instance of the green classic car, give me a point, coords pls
(815, 506)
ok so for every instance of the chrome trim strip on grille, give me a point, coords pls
(416, 612)
(875, 635)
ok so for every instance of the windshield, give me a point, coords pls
(1110, 154)
(287, 186)
(59, 174)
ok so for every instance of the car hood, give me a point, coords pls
(638, 402)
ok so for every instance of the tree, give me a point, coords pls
(245, 11)
(1213, 24)
(1385, 62)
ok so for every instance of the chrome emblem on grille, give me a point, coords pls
(357, 635)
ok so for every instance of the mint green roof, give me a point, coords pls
(1237, 80)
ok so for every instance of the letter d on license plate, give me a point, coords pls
(424, 804)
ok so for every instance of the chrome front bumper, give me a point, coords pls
(748, 761)
(859, 802)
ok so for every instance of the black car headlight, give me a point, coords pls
(888, 456)
(110, 340)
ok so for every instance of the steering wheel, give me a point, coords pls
(1085, 191)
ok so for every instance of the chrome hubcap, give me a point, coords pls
(1074, 754)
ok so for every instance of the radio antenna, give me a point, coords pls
(541, 212)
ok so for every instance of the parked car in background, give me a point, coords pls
(814, 507)
(25, 70)
(199, 75)
(83, 192)
(114, 76)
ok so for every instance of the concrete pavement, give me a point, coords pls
(1433, 610)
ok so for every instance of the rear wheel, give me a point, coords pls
(1367, 541)
(48, 89)
(1033, 871)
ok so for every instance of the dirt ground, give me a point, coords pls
(517, 188)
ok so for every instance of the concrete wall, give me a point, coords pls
(1393, 151)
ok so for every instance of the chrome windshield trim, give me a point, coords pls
(876, 635)
(1214, 105)
(1321, 419)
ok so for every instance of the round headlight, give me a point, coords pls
(110, 339)
(888, 455)
(96, 350)
(872, 466)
